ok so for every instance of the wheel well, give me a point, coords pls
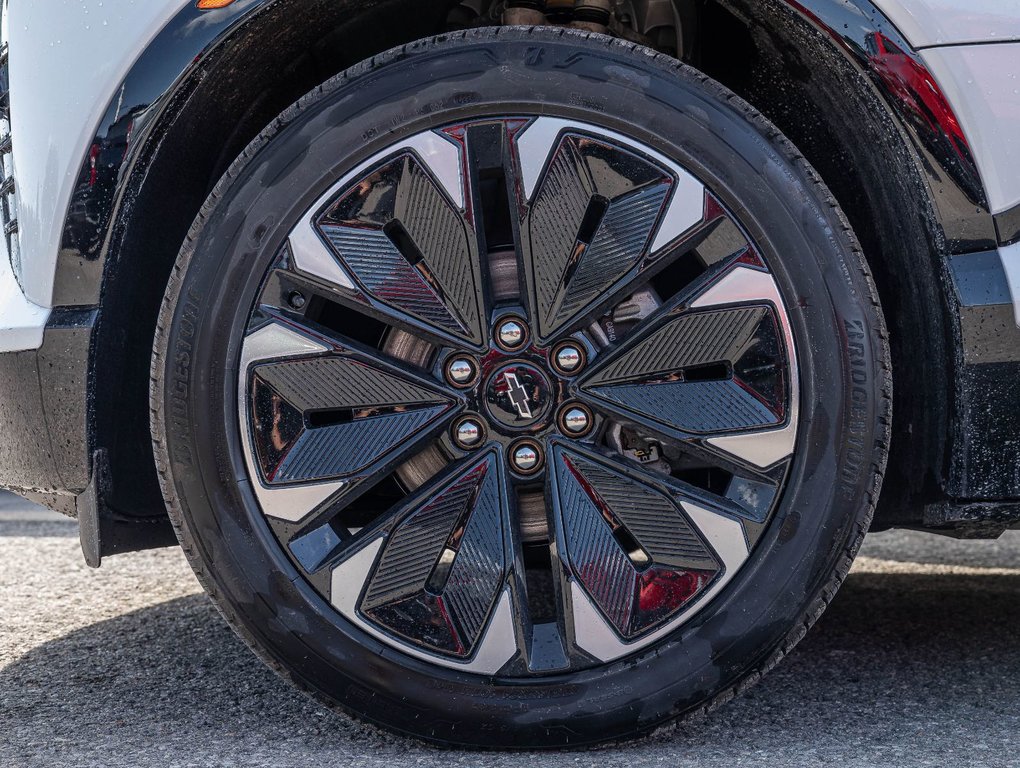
(828, 108)
(786, 68)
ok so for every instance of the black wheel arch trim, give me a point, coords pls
(167, 70)
(158, 80)
(866, 37)
(1007, 225)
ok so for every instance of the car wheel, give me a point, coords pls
(521, 388)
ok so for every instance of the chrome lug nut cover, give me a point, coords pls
(511, 334)
(576, 420)
(460, 371)
(568, 359)
(526, 457)
(468, 433)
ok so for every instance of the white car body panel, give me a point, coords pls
(67, 60)
(69, 57)
(21, 321)
(1010, 256)
(982, 83)
(926, 23)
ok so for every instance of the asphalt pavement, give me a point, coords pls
(917, 663)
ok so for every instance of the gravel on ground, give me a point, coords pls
(917, 663)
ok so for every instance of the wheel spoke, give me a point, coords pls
(640, 549)
(716, 366)
(326, 416)
(435, 571)
(598, 213)
(394, 241)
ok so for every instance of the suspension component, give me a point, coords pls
(589, 15)
(529, 13)
(592, 15)
(659, 24)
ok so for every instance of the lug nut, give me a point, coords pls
(568, 359)
(576, 420)
(461, 372)
(511, 334)
(526, 457)
(467, 433)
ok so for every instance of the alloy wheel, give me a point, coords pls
(518, 396)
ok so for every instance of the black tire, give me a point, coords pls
(806, 548)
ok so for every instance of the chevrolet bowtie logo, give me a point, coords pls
(518, 395)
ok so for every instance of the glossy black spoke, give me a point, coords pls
(344, 340)
(435, 569)
(396, 243)
(334, 417)
(329, 418)
(598, 217)
(696, 451)
(638, 547)
(703, 367)
(493, 205)
(682, 376)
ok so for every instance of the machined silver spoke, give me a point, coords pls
(640, 551)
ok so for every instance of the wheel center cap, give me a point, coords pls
(518, 395)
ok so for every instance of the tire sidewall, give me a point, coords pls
(673, 109)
